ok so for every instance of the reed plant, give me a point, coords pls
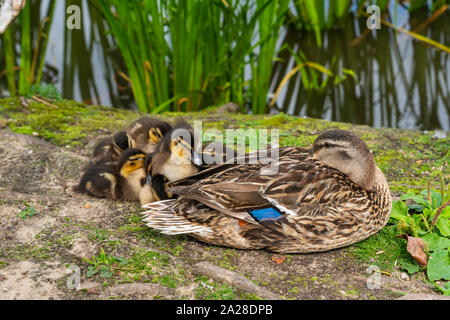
(33, 46)
(186, 55)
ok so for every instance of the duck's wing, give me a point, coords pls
(238, 190)
(310, 189)
(232, 167)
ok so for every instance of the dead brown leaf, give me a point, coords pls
(278, 259)
(416, 247)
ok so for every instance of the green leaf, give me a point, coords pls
(416, 198)
(400, 212)
(409, 265)
(419, 225)
(435, 242)
(443, 222)
(436, 198)
(92, 271)
(439, 265)
(105, 272)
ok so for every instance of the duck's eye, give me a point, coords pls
(327, 145)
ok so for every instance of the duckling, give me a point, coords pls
(156, 183)
(100, 180)
(109, 149)
(125, 179)
(146, 132)
(132, 177)
(329, 196)
(175, 157)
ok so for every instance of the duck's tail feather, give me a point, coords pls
(159, 215)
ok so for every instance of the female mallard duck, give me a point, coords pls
(125, 179)
(110, 149)
(146, 132)
(327, 197)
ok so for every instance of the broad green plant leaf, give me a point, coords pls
(435, 242)
(439, 265)
(409, 265)
(399, 212)
(443, 222)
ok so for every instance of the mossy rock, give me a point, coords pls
(408, 158)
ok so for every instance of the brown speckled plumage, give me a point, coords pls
(320, 208)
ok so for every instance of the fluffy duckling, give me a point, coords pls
(100, 180)
(109, 149)
(133, 178)
(125, 179)
(156, 183)
(175, 157)
(146, 132)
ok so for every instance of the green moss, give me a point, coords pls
(211, 290)
(383, 249)
(69, 124)
(151, 237)
(27, 252)
(408, 158)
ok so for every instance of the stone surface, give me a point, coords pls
(423, 296)
(68, 231)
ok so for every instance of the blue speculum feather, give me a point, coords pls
(265, 214)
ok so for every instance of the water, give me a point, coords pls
(399, 82)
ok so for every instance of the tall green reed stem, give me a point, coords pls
(10, 61)
(194, 52)
(25, 51)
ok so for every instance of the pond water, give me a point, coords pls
(399, 82)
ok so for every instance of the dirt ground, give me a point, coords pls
(49, 236)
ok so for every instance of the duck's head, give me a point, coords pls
(122, 141)
(347, 153)
(130, 161)
(179, 145)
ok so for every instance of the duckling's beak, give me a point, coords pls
(149, 179)
(197, 159)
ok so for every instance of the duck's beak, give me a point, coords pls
(149, 179)
(197, 159)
